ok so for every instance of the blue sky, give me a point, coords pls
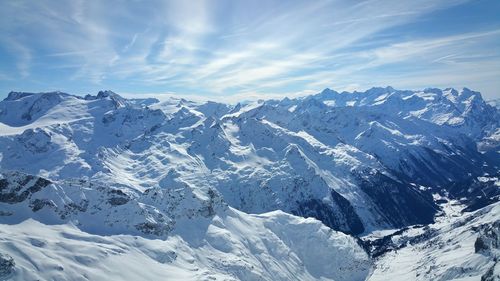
(234, 50)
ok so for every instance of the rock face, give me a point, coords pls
(17, 187)
(488, 244)
(7, 265)
(488, 240)
(339, 215)
(476, 193)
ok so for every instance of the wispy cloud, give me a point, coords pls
(22, 56)
(448, 61)
(238, 48)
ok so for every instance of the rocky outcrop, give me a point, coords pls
(16, 187)
(488, 239)
(97, 208)
(7, 265)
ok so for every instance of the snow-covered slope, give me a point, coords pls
(460, 248)
(236, 247)
(83, 230)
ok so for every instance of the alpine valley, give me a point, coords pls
(384, 184)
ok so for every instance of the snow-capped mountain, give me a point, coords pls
(356, 161)
(189, 173)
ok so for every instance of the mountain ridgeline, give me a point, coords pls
(358, 162)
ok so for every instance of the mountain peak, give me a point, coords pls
(380, 90)
(118, 100)
(328, 92)
(12, 96)
(17, 95)
(436, 91)
(106, 93)
(467, 93)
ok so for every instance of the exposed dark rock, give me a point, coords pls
(339, 216)
(7, 265)
(208, 210)
(116, 201)
(490, 274)
(38, 204)
(402, 204)
(14, 191)
(386, 244)
(475, 193)
(118, 197)
(153, 228)
(17, 95)
(73, 207)
(488, 238)
(117, 100)
(108, 118)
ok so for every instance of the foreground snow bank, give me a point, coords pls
(232, 246)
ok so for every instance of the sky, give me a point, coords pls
(239, 50)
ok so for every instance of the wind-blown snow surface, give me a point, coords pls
(144, 169)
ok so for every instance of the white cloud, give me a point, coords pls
(237, 48)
